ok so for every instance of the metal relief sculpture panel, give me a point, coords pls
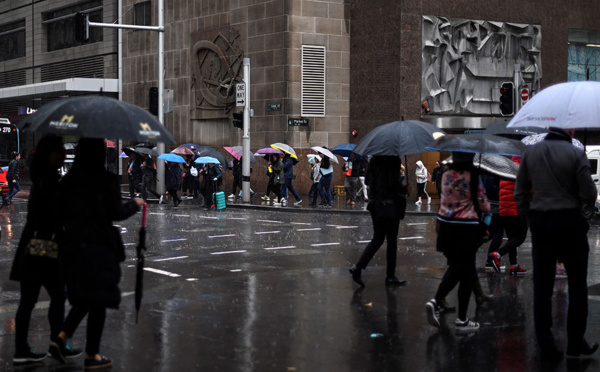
(217, 63)
(464, 63)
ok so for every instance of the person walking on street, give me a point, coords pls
(173, 181)
(514, 225)
(148, 178)
(278, 179)
(214, 179)
(325, 182)
(315, 176)
(362, 172)
(288, 171)
(12, 176)
(496, 230)
(553, 184)
(32, 270)
(387, 206)
(351, 169)
(436, 176)
(237, 178)
(92, 249)
(462, 207)
(422, 177)
(135, 175)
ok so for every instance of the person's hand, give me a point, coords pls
(140, 202)
(215, 179)
(14, 181)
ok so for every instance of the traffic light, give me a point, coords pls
(238, 119)
(507, 101)
(153, 104)
(82, 27)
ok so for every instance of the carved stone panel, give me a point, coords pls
(217, 65)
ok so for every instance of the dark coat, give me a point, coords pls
(173, 177)
(13, 170)
(42, 215)
(91, 202)
(148, 169)
(136, 170)
(278, 174)
(288, 167)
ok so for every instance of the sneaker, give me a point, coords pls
(433, 313)
(489, 268)
(517, 270)
(275, 204)
(91, 364)
(265, 198)
(465, 326)
(71, 352)
(160, 200)
(428, 200)
(231, 196)
(28, 356)
(298, 202)
(418, 202)
(496, 259)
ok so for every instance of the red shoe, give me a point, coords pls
(496, 259)
(517, 270)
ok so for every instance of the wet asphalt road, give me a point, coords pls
(265, 290)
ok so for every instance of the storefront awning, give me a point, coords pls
(60, 87)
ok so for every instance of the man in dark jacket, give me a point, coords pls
(173, 181)
(553, 184)
(13, 177)
(135, 175)
(148, 177)
(351, 169)
(288, 172)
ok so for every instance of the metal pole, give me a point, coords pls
(160, 166)
(246, 136)
(120, 75)
(517, 92)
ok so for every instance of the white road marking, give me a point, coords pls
(173, 240)
(276, 248)
(312, 229)
(267, 232)
(209, 217)
(323, 244)
(162, 272)
(228, 252)
(237, 218)
(170, 258)
(411, 237)
(300, 223)
(418, 223)
(235, 270)
(160, 214)
(347, 227)
(181, 215)
(192, 279)
(363, 241)
(269, 221)
(221, 236)
(129, 244)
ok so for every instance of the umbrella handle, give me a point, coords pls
(144, 212)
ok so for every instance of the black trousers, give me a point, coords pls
(383, 228)
(148, 185)
(173, 193)
(134, 186)
(496, 233)
(95, 325)
(516, 231)
(30, 291)
(237, 183)
(559, 235)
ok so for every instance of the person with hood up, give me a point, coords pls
(173, 181)
(422, 177)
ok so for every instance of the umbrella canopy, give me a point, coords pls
(173, 158)
(532, 140)
(344, 149)
(478, 143)
(191, 146)
(399, 138)
(312, 157)
(286, 149)
(233, 153)
(209, 151)
(566, 105)
(325, 152)
(207, 160)
(145, 150)
(238, 151)
(183, 151)
(497, 165)
(139, 276)
(268, 151)
(96, 117)
(110, 144)
(500, 129)
(123, 155)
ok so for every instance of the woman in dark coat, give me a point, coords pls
(387, 206)
(173, 181)
(92, 249)
(12, 177)
(33, 271)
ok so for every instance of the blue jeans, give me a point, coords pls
(325, 188)
(13, 189)
(288, 185)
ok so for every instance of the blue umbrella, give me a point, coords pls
(207, 160)
(173, 158)
(344, 150)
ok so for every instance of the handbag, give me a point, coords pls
(42, 247)
(348, 172)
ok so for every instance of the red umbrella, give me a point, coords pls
(183, 151)
(233, 152)
(110, 144)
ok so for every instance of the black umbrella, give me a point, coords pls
(500, 129)
(145, 150)
(480, 143)
(399, 138)
(139, 276)
(209, 151)
(96, 117)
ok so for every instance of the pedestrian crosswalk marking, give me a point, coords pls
(228, 252)
(276, 248)
(323, 244)
(312, 229)
(411, 237)
(221, 236)
(267, 232)
(300, 223)
(418, 223)
(269, 221)
(162, 272)
(173, 240)
(170, 258)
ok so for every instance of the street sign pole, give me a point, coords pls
(160, 147)
(516, 84)
(246, 135)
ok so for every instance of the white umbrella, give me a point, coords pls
(285, 148)
(326, 152)
(535, 138)
(566, 105)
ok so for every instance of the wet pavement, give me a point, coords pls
(267, 289)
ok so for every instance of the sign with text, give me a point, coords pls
(298, 122)
(240, 95)
(273, 106)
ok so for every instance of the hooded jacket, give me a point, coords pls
(421, 172)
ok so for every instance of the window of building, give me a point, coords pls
(313, 81)
(584, 55)
(12, 40)
(60, 25)
(143, 14)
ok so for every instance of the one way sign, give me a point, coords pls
(240, 95)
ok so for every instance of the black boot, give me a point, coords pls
(355, 271)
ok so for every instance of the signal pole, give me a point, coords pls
(246, 136)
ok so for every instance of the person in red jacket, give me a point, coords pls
(515, 227)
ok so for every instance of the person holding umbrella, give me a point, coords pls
(135, 174)
(278, 178)
(173, 181)
(288, 171)
(148, 178)
(325, 182)
(92, 249)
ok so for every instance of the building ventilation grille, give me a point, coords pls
(12, 78)
(92, 67)
(313, 81)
